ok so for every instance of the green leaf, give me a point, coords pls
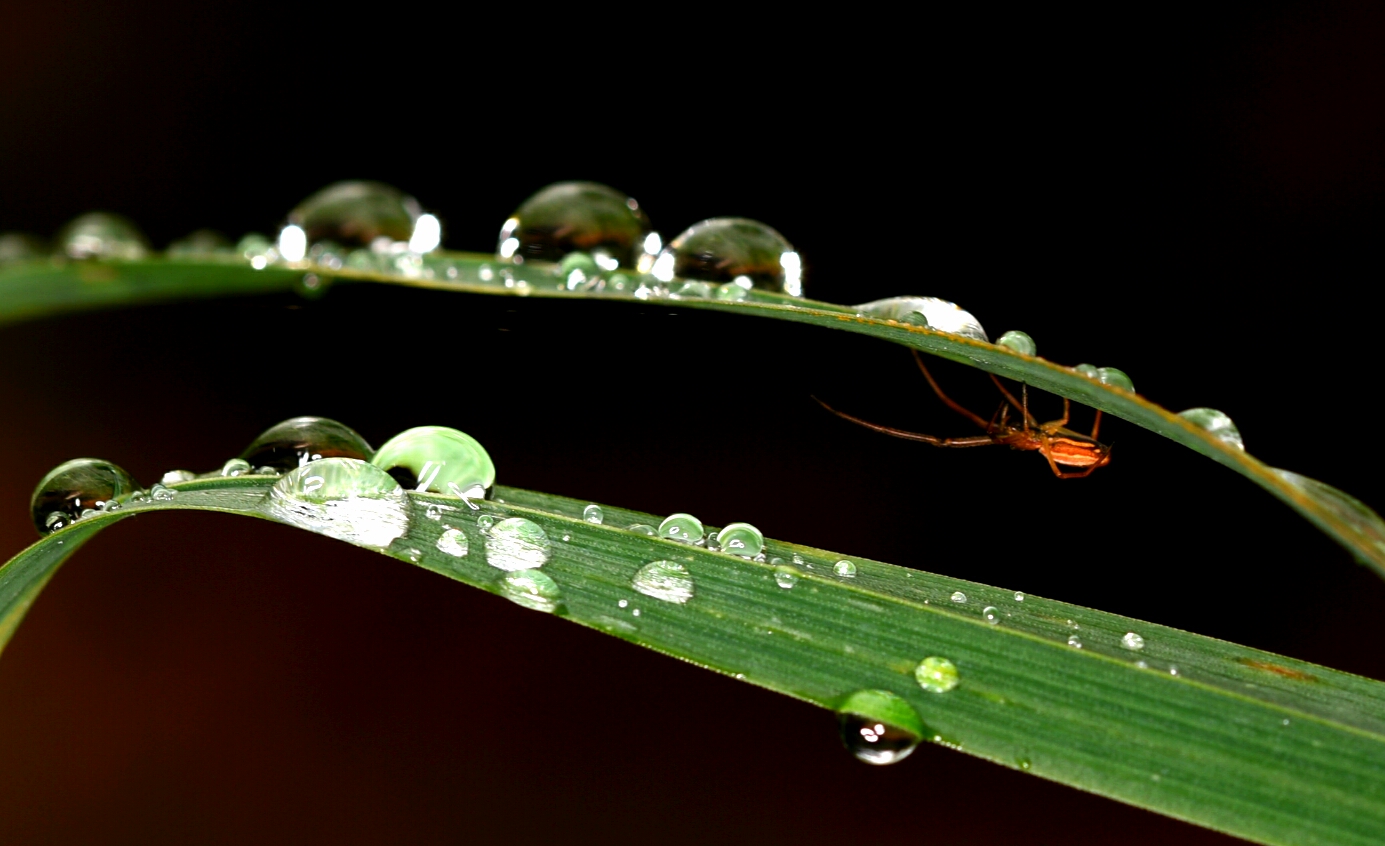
(1251, 743)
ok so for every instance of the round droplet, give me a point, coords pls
(236, 467)
(1088, 370)
(103, 236)
(1075, 642)
(299, 440)
(879, 727)
(484, 523)
(76, 486)
(732, 250)
(344, 498)
(991, 614)
(1217, 424)
(732, 291)
(356, 213)
(533, 589)
(159, 493)
(644, 529)
(203, 242)
(454, 543)
(516, 543)
(681, 527)
(173, 477)
(588, 217)
(1019, 597)
(926, 311)
(20, 246)
(1018, 341)
(741, 539)
(664, 580)
(845, 569)
(1117, 378)
(936, 674)
(785, 576)
(958, 596)
(1132, 641)
(335, 479)
(438, 459)
(593, 514)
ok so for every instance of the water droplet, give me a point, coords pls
(516, 543)
(732, 250)
(1112, 376)
(593, 514)
(732, 291)
(533, 589)
(1142, 665)
(103, 236)
(438, 459)
(484, 523)
(845, 569)
(56, 520)
(235, 467)
(432, 512)
(741, 539)
(879, 727)
(1075, 642)
(356, 213)
(681, 527)
(454, 543)
(937, 314)
(1217, 424)
(310, 286)
(665, 580)
(1023, 763)
(958, 596)
(203, 242)
(1132, 641)
(936, 674)
(1018, 341)
(1087, 370)
(20, 246)
(1019, 596)
(299, 440)
(786, 577)
(75, 486)
(569, 217)
(159, 493)
(644, 529)
(991, 614)
(686, 290)
(1173, 671)
(343, 498)
(173, 477)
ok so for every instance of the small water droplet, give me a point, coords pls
(357, 213)
(786, 577)
(1087, 370)
(299, 440)
(593, 514)
(845, 569)
(879, 727)
(936, 674)
(958, 596)
(432, 512)
(56, 520)
(1173, 671)
(454, 543)
(100, 235)
(516, 543)
(798, 559)
(1142, 665)
(1217, 424)
(1018, 341)
(484, 523)
(665, 580)
(643, 529)
(173, 477)
(732, 291)
(741, 539)
(203, 242)
(415, 555)
(75, 486)
(1023, 763)
(343, 498)
(1284, 722)
(1019, 597)
(1075, 642)
(20, 246)
(159, 493)
(734, 250)
(580, 216)
(681, 527)
(533, 589)
(937, 314)
(1112, 376)
(438, 459)
(622, 603)
(991, 615)
(236, 467)
(1132, 641)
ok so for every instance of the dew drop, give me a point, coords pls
(958, 596)
(101, 235)
(593, 514)
(936, 674)
(1217, 424)
(786, 577)
(159, 493)
(438, 459)
(20, 246)
(484, 523)
(1132, 641)
(845, 569)
(1019, 596)
(1018, 341)
(732, 291)
(664, 580)
(236, 467)
(203, 242)
(1075, 642)
(935, 313)
(644, 529)
(741, 539)
(533, 589)
(1117, 378)
(357, 213)
(75, 486)
(299, 440)
(879, 727)
(343, 498)
(454, 543)
(56, 520)
(991, 614)
(1173, 671)
(732, 250)
(516, 543)
(588, 217)
(681, 527)
(1087, 370)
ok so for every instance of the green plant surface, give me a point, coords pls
(35, 288)
(1239, 740)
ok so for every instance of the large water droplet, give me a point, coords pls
(879, 727)
(733, 250)
(991, 614)
(741, 539)
(665, 580)
(102, 235)
(533, 589)
(1132, 641)
(76, 486)
(343, 498)
(236, 467)
(958, 596)
(681, 527)
(355, 213)
(20, 246)
(454, 543)
(438, 459)
(936, 674)
(1112, 376)
(583, 217)
(593, 514)
(926, 311)
(1217, 424)
(516, 543)
(1018, 341)
(299, 440)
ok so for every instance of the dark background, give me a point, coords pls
(1196, 199)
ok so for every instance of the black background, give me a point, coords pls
(1195, 198)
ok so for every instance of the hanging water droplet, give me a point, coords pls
(203, 242)
(20, 246)
(1019, 597)
(299, 440)
(879, 727)
(741, 539)
(991, 614)
(937, 314)
(356, 213)
(732, 250)
(454, 543)
(664, 580)
(593, 514)
(1132, 641)
(644, 529)
(845, 569)
(1075, 642)
(344, 498)
(936, 674)
(958, 596)
(681, 527)
(75, 486)
(786, 577)
(580, 216)
(438, 459)
(1117, 378)
(235, 467)
(516, 543)
(1217, 424)
(173, 477)
(1018, 341)
(533, 589)
(101, 235)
